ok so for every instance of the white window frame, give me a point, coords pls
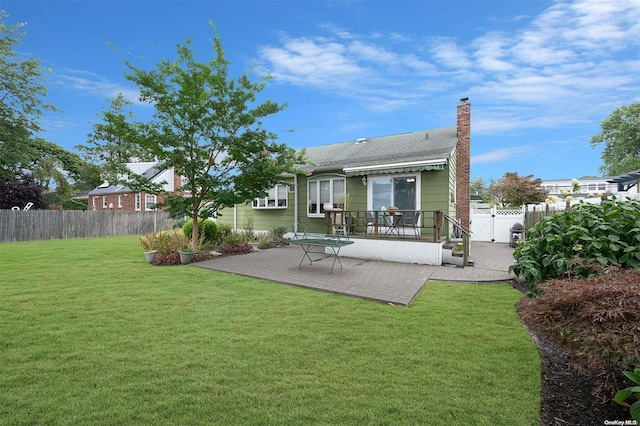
(418, 181)
(276, 203)
(150, 201)
(334, 199)
(138, 202)
(119, 201)
(104, 202)
(95, 203)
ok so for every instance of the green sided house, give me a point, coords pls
(350, 186)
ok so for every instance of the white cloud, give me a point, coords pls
(447, 53)
(499, 155)
(573, 63)
(91, 83)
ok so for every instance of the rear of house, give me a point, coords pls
(424, 171)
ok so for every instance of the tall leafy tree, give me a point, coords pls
(18, 191)
(621, 138)
(208, 127)
(478, 187)
(513, 190)
(113, 143)
(21, 101)
(62, 173)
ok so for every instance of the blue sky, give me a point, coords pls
(540, 74)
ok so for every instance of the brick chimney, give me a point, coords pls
(463, 163)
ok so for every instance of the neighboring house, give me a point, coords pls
(123, 198)
(592, 186)
(426, 170)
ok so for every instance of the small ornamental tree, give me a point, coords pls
(514, 190)
(19, 191)
(207, 127)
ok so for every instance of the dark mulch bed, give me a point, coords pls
(565, 396)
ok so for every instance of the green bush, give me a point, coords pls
(234, 239)
(223, 231)
(207, 228)
(165, 242)
(581, 242)
(622, 396)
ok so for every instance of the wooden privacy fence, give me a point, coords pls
(62, 224)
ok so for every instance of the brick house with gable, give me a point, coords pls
(122, 198)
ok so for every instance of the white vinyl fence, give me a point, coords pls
(61, 224)
(493, 224)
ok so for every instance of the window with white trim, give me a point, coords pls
(138, 202)
(399, 191)
(104, 202)
(275, 198)
(119, 201)
(95, 203)
(324, 192)
(150, 201)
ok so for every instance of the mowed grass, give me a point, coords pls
(90, 333)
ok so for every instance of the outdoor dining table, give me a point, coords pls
(332, 244)
(393, 222)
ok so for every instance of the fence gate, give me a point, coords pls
(492, 224)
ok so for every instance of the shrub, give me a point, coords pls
(207, 229)
(277, 232)
(595, 319)
(622, 395)
(581, 242)
(234, 238)
(164, 242)
(224, 230)
(243, 248)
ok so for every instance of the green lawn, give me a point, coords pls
(92, 334)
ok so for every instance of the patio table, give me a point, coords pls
(332, 244)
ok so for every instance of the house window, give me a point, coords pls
(119, 201)
(104, 202)
(602, 187)
(150, 201)
(95, 203)
(592, 187)
(276, 197)
(138, 202)
(397, 191)
(324, 191)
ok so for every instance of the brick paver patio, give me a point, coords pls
(387, 282)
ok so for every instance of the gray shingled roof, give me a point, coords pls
(415, 146)
(111, 189)
(149, 174)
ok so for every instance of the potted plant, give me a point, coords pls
(149, 245)
(263, 241)
(186, 255)
(277, 235)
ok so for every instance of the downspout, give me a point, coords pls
(295, 203)
(235, 216)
